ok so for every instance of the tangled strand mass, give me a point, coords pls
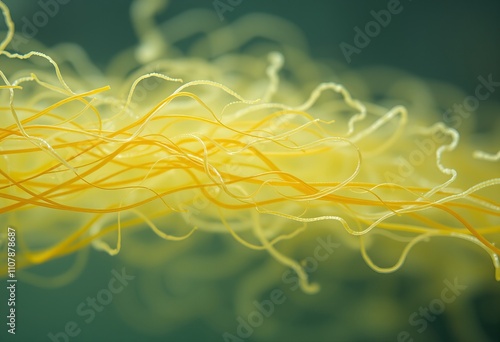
(232, 142)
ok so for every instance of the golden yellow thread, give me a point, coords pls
(203, 156)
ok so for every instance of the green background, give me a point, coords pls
(451, 41)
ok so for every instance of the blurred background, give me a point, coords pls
(449, 41)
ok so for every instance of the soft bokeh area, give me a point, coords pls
(239, 170)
